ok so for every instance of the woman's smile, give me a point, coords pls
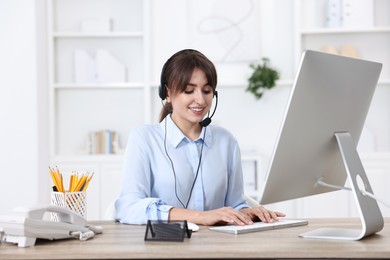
(197, 110)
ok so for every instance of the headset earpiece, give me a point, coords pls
(162, 91)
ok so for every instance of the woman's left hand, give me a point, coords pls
(262, 213)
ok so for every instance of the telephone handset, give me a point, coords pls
(64, 214)
(28, 224)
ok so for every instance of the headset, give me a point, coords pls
(162, 89)
(162, 92)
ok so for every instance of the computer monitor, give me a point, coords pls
(317, 141)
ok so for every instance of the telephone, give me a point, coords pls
(28, 224)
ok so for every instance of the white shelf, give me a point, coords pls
(371, 30)
(98, 35)
(113, 85)
(87, 158)
(384, 82)
(282, 83)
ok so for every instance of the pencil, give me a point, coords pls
(87, 182)
(55, 179)
(81, 182)
(61, 181)
(71, 182)
(76, 183)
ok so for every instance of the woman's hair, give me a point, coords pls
(177, 73)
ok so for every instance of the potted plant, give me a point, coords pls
(263, 77)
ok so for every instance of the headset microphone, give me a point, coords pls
(205, 122)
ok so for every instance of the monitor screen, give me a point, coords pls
(330, 94)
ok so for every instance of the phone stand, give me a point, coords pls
(174, 231)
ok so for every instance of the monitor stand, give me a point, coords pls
(370, 215)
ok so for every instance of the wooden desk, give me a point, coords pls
(120, 241)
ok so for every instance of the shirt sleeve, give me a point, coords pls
(135, 204)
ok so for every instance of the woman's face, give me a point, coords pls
(191, 105)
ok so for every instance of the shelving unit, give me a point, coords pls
(121, 29)
(370, 40)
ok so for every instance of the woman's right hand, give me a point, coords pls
(222, 215)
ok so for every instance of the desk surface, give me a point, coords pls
(120, 241)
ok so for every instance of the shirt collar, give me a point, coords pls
(175, 136)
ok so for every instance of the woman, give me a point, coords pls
(182, 169)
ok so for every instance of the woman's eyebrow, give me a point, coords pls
(194, 85)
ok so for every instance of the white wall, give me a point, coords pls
(21, 99)
(271, 21)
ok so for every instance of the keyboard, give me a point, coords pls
(259, 226)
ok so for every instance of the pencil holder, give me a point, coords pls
(75, 201)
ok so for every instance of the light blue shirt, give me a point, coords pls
(148, 181)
